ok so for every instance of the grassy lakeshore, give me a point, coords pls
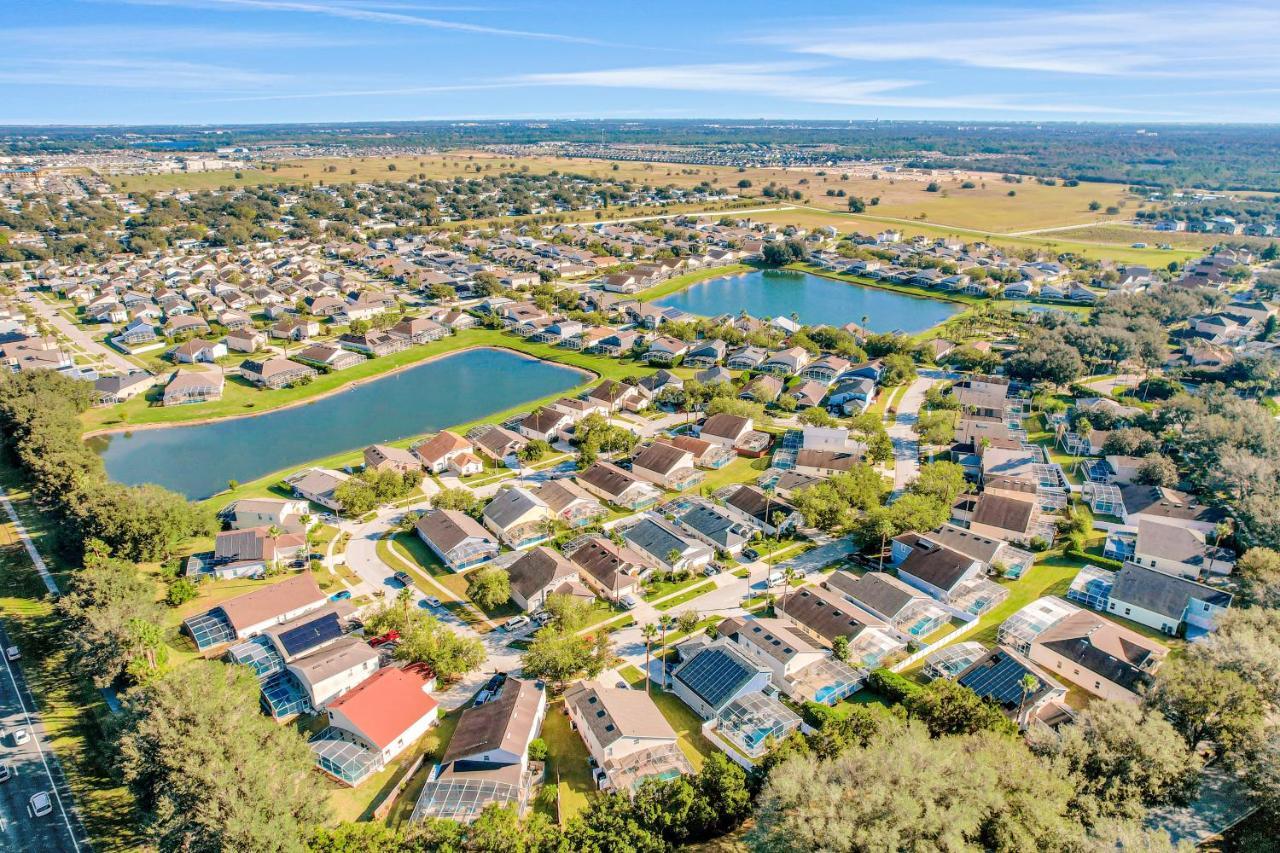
(680, 282)
(240, 398)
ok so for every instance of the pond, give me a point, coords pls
(817, 300)
(198, 460)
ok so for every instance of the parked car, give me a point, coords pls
(541, 618)
(13, 653)
(629, 601)
(404, 578)
(751, 554)
(389, 637)
(341, 596)
(515, 623)
(20, 736)
(431, 601)
(776, 578)
(711, 570)
(41, 803)
(5, 773)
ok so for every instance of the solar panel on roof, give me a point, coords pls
(714, 675)
(311, 634)
(1001, 682)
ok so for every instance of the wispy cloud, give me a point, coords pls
(111, 73)
(1171, 39)
(808, 82)
(368, 12)
(162, 39)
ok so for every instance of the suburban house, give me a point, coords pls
(715, 527)
(245, 340)
(546, 424)
(324, 664)
(487, 760)
(799, 668)
(250, 552)
(1103, 658)
(618, 487)
(252, 613)
(329, 357)
(714, 673)
(626, 734)
(188, 386)
(730, 430)
(439, 452)
(268, 512)
(1001, 677)
(610, 569)
(882, 595)
(1166, 602)
(665, 465)
(949, 576)
(706, 454)
(275, 372)
(825, 615)
(996, 554)
(1179, 550)
(519, 517)
(418, 330)
(118, 389)
(539, 572)
(663, 546)
(754, 505)
(383, 457)
(1167, 506)
(570, 503)
(318, 485)
(1007, 517)
(375, 722)
(196, 351)
(498, 443)
(456, 538)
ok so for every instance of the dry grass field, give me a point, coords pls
(986, 206)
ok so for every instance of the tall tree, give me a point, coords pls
(209, 771)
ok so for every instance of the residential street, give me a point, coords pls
(906, 448)
(77, 335)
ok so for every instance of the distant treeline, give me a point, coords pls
(1208, 156)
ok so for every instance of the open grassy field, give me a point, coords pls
(986, 205)
(809, 217)
(1122, 233)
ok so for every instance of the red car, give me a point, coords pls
(388, 637)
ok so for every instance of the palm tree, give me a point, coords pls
(1029, 684)
(789, 576)
(665, 621)
(403, 597)
(648, 631)
(1222, 531)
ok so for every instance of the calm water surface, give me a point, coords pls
(780, 293)
(199, 460)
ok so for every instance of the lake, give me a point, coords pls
(817, 300)
(198, 460)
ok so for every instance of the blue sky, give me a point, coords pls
(221, 61)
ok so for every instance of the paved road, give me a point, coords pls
(906, 447)
(34, 769)
(77, 335)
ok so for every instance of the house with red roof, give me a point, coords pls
(372, 724)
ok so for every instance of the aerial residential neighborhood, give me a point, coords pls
(870, 444)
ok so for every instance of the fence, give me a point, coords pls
(384, 807)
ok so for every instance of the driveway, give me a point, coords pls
(78, 336)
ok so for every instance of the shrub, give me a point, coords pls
(537, 749)
(892, 686)
(181, 591)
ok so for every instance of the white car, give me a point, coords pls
(432, 601)
(5, 773)
(41, 803)
(629, 601)
(515, 624)
(20, 737)
(13, 653)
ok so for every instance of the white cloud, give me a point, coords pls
(1171, 39)
(149, 39)
(801, 82)
(112, 73)
(369, 12)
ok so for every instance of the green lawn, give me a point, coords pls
(568, 774)
(686, 596)
(680, 282)
(687, 724)
(740, 470)
(657, 589)
(434, 743)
